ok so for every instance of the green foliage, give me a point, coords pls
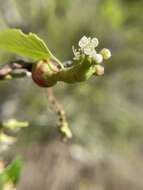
(13, 171)
(11, 174)
(28, 45)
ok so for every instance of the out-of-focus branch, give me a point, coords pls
(15, 69)
(20, 68)
(63, 124)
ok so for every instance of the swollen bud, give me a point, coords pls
(44, 73)
(105, 53)
(97, 58)
(99, 70)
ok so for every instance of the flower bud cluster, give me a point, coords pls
(87, 47)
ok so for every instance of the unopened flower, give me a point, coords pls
(105, 53)
(99, 70)
(98, 58)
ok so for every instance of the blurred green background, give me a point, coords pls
(104, 113)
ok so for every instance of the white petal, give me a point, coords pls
(89, 50)
(83, 42)
(95, 42)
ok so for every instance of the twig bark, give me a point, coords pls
(20, 68)
(14, 69)
(63, 124)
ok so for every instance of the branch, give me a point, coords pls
(48, 70)
(20, 68)
(15, 69)
(63, 124)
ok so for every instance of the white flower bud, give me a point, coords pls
(99, 70)
(105, 53)
(98, 58)
(83, 42)
(94, 42)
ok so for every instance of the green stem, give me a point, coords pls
(76, 73)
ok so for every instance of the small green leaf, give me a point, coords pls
(27, 45)
(13, 171)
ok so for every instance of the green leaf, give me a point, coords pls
(27, 45)
(13, 171)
